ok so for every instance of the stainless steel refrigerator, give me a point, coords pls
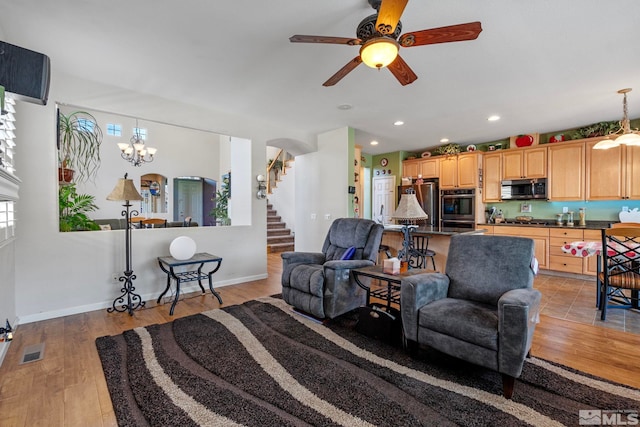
(427, 195)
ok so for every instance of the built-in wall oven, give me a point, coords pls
(458, 209)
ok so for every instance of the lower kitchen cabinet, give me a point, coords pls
(590, 264)
(558, 260)
(540, 236)
(548, 246)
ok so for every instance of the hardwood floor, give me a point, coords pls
(67, 387)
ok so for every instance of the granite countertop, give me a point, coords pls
(428, 229)
(550, 223)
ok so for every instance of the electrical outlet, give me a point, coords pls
(565, 209)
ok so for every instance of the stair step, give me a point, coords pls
(275, 225)
(271, 240)
(280, 247)
(274, 218)
(278, 231)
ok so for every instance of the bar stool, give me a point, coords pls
(420, 252)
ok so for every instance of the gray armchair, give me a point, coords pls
(320, 283)
(482, 310)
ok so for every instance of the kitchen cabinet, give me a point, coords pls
(430, 168)
(605, 172)
(566, 171)
(492, 177)
(560, 261)
(460, 171)
(590, 264)
(519, 163)
(612, 174)
(540, 236)
(410, 168)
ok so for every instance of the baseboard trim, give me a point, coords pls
(68, 311)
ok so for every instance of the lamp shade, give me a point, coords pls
(379, 52)
(409, 209)
(606, 143)
(124, 190)
(630, 138)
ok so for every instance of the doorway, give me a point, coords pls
(194, 197)
(384, 199)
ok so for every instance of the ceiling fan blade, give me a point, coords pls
(389, 15)
(343, 71)
(324, 39)
(452, 33)
(402, 71)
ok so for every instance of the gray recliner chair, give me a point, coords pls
(320, 283)
(482, 310)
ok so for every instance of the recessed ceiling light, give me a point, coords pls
(443, 140)
(398, 123)
(374, 142)
(493, 118)
(345, 107)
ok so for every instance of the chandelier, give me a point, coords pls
(135, 151)
(624, 135)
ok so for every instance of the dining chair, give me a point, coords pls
(620, 276)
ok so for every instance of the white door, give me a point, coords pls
(384, 199)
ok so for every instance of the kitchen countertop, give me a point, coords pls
(447, 231)
(550, 223)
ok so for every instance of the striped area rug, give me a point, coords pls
(260, 364)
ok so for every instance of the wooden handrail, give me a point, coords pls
(271, 165)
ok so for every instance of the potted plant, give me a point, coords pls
(74, 208)
(221, 211)
(79, 139)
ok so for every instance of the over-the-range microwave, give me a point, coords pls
(524, 189)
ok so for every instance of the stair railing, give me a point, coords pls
(277, 165)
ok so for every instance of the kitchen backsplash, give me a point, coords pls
(603, 211)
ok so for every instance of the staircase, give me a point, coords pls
(279, 237)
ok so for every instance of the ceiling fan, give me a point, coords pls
(378, 35)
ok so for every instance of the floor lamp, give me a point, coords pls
(408, 211)
(126, 191)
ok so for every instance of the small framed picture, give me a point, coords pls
(525, 207)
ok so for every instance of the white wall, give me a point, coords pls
(322, 180)
(63, 273)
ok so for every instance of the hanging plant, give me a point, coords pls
(79, 139)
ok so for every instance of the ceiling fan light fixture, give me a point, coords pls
(379, 52)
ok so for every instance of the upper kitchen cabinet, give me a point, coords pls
(606, 175)
(566, 171)
(425, 167)
(460, 171)
(492, 177)
(613, 173)
(411, 168)
(521, 163)
(430, 168)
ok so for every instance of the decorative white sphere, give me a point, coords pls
(182, 248)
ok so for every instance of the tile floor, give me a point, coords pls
(575, 300)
